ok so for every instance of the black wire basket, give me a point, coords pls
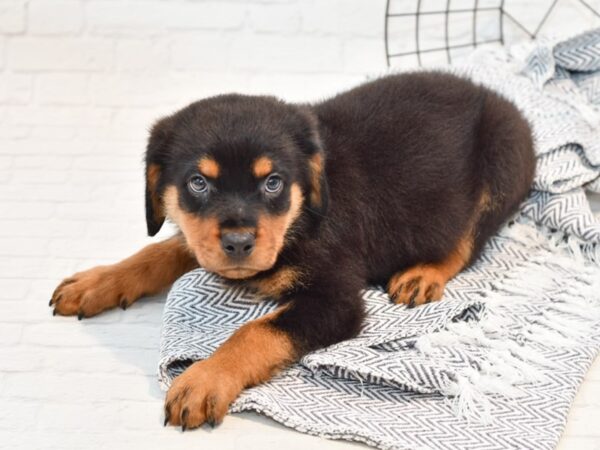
(496, 19)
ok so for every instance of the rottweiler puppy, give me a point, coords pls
(399, 181)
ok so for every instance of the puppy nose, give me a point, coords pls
(237, 245)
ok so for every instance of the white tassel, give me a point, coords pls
(423, 344)
(467, 401)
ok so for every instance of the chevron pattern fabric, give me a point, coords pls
(497, 363)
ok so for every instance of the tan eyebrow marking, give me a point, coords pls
(208, 167)
(262, 167)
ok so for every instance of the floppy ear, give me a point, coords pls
(312, 146)
(156, 153)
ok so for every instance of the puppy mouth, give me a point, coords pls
(227, 268)
(237, 273)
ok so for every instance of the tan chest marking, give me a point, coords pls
(281, 281)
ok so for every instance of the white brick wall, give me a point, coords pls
(55, 17)
(12, 17)
(80, 83)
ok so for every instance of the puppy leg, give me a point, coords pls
(149, 271)
(425, 282)
(257, 351)
(250, 356)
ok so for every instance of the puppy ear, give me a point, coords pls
(312, 145)
(156, 153)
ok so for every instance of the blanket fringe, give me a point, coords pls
(469, 402)
(506, 363)
(525, 230)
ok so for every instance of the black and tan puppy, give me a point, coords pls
(399, 182)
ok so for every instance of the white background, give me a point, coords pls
(80, 83)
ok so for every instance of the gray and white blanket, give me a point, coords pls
(497, 363)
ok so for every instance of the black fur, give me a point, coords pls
(407, 159)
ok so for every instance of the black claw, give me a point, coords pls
(411, 301)
(399, 290)
(212, 423)
(413, 282)
(50, 303)
(80, 316)
(53, 312)
(184, 416)
(167, 414)
(123, 304)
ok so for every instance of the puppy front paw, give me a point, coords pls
(201, 394)
(88, 293)
(417, 285)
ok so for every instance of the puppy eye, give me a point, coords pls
(273, 184)
(197, 184)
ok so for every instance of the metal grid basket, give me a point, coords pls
(449, 13)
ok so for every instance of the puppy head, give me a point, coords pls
(237, 174)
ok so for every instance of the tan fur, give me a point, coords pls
(252, 355)
(280, 282)
(272, 230)
(316, 171)
(147, 272)
(203, 237)
(209, 167)
(152, 176)
(263, 166)
(485, 202)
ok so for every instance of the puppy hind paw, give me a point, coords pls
(417, 286)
